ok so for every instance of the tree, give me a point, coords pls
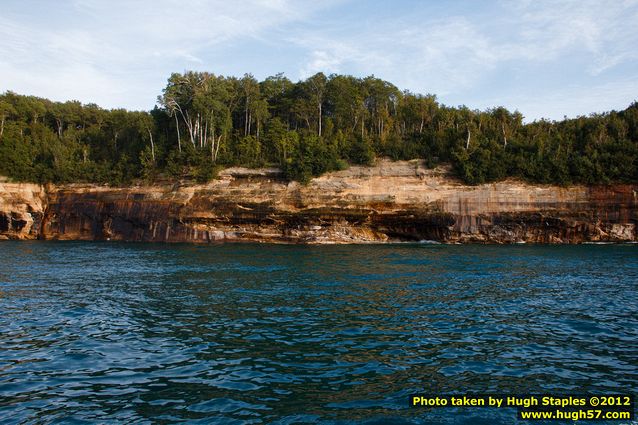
(308, 128)
(250, 94)
(146, 126)
(316, 88)
(6, 110)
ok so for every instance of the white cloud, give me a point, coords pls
(457, 56)
(604, 30)
(119, 53)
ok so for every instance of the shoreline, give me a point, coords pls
(4, 239)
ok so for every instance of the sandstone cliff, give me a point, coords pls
(22, 207)
(392, 201)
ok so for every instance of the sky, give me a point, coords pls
(546, 59)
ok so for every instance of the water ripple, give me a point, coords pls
(293, 334)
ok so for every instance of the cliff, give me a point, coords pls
(391, 201)
(22, 207)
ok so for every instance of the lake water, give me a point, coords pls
(143, 333)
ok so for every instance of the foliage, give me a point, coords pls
(204, 121)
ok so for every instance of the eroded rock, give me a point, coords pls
(391, 201)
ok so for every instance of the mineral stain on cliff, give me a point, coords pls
(393, 201)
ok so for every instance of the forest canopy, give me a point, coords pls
(203, 121)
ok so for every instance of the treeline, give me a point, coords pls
(323, 123)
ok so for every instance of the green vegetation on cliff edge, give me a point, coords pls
(204, 121)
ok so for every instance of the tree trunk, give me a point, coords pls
(206, 132)
(188, 122)
(214, 147)
(201, 130)
(190, 127)
(467, 142)
(59, 125)
(246, 119)
(150, 135)
(198, 131)
(319, 119)
(504, 136)
(179, 140)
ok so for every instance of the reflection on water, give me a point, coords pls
(293, 334)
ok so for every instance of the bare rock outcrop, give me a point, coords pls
(391, 201)
(22, 209)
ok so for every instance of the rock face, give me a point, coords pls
(391, 201)
(22, 207)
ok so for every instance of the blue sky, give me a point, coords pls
(544, 58)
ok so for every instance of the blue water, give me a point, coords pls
(141, 333)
